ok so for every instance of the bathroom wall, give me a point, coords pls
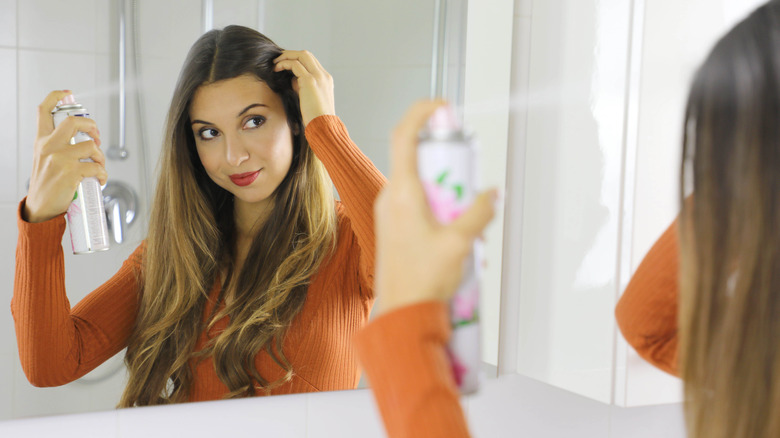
(46, 45)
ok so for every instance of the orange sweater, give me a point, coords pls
(647, 311)
(413, 386)
(58, 344)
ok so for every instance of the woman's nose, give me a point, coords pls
(235, 152)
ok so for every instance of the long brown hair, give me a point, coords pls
(730, 236)
(192, 238)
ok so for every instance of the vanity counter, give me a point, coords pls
(511, 406)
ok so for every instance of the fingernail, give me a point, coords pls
(497, 197)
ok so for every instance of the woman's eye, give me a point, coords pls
(254, 122)
(208, 133)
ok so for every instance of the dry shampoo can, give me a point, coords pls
(447, 168)
(86, 215)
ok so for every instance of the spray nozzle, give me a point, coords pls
(443, 119)
(68, 100)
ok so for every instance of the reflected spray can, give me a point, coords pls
(447, 167)
(86, 215)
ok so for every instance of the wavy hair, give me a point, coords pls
(730, 236)
(192, 239)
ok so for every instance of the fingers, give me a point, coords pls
(45, 122)
(306, 59)
(403, 154)
(73, 124)
(93, 170)
(298, 69)
(88, 149)
(471, 223)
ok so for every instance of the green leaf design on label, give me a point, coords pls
(442, 177)
(75, 195)
(458, 191)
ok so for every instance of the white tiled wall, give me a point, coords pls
(8, 156)
(8, 135)
(8, 351)
(8, 23)
(70, 26)
(61, 45)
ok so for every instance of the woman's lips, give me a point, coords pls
(244, 179)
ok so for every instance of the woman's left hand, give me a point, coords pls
(313, 84)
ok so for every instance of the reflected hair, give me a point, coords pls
(192, 240)
(730, 236)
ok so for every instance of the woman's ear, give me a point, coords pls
(296, 129)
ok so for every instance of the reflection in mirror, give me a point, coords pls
(598, 130)
(372, 68)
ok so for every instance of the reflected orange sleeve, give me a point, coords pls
(647, 311)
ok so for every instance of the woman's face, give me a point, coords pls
(242, 137)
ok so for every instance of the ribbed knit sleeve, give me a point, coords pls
(404, 356)
(356, 179)
(647, 311)
(58, 344)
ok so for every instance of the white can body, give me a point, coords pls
(86, 215)
(447, 168)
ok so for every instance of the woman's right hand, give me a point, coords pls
(417, 258)
(57, 169)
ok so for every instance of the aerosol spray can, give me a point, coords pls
(86, 215)
(447, 168)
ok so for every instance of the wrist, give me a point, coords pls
(32, 216)
(391, 299)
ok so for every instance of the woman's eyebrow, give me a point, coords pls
(203, 122)
(250, 107)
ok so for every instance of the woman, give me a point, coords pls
(252, 280)
(724, 341)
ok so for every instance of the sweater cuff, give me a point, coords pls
(41, 238)
(403, 331)
(428, 318)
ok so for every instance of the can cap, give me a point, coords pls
(68, 100)
(443, 120)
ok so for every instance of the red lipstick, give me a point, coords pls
(244, 179)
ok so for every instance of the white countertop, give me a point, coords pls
(511, 406)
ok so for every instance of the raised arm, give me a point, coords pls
(356, 178)
(58, 344)
(647, 311)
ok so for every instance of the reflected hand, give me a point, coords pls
(313, 84)
(57, 171)
(418, 258)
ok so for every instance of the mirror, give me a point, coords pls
(46, 44)
(600, 90)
